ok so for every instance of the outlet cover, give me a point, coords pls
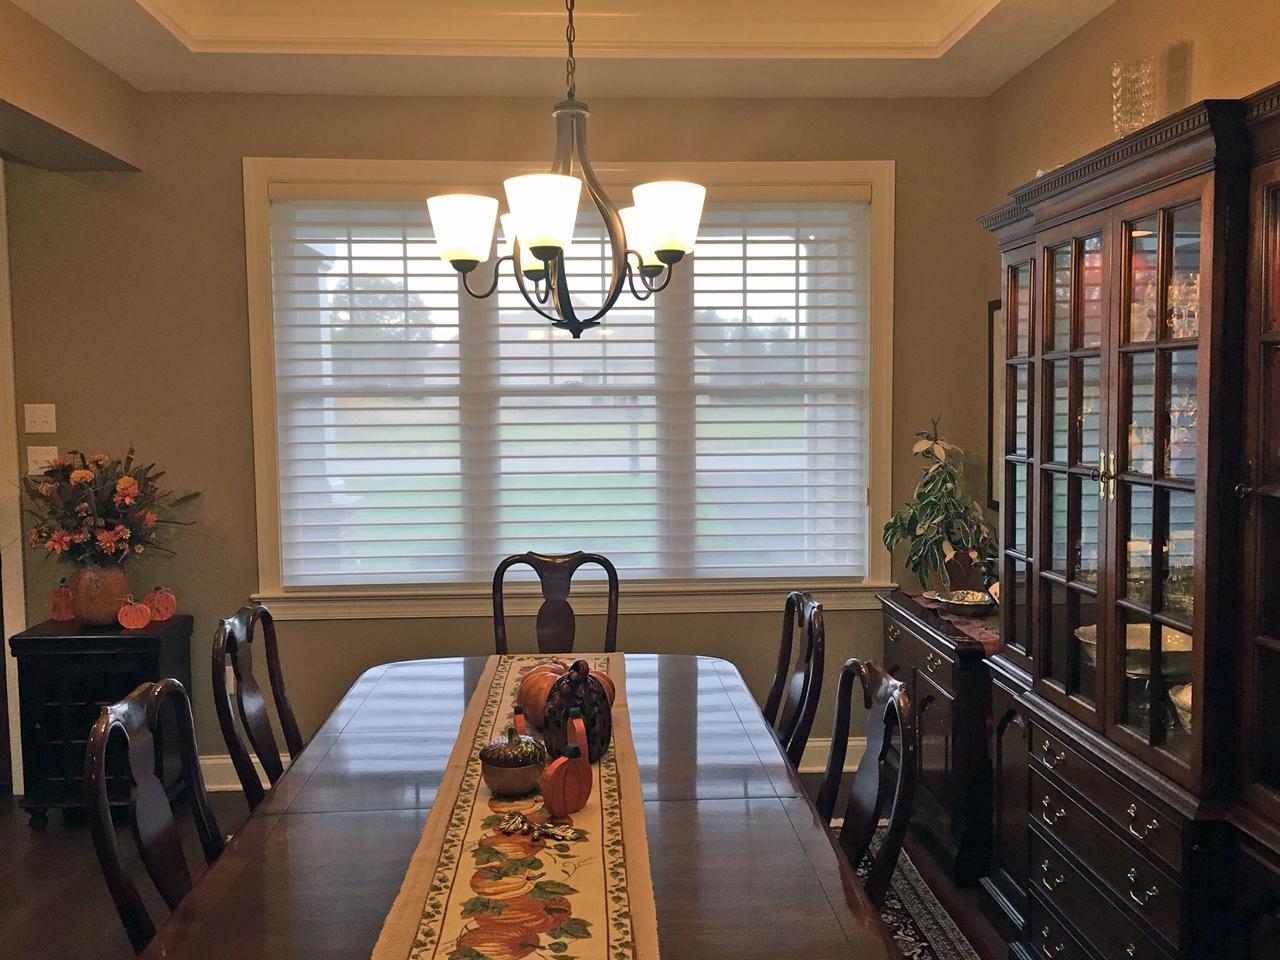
(39, 458)
(40, 417)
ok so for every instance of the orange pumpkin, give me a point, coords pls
(518, 721)
(162, 602)
(133, 616)
(578, 732)
(513, 846)
(566, 786)
(526, 914)
(534, 689)
(60, 602)
(491, 884)
(498, 943)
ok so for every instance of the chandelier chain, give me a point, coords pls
(570, 65)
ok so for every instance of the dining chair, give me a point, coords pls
(233, 643)
(888, 709)
(137, 719)
(793, 699)
(555, 626)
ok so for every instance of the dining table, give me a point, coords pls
(742, 866)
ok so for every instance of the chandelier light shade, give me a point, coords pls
(645, 241)
(463, 225)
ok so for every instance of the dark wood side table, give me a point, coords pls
(948, 683)
(67, 672)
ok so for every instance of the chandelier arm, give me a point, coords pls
(667, 273)
(537, 298)
(631, 282)
(493, 284)
(612, 223)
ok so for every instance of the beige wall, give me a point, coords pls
(129, 308)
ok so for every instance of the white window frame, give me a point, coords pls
(267, 178)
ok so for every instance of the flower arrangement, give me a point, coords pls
(95, 510)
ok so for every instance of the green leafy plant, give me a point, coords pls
(941, 520)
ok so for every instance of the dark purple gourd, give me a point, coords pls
(578, 689)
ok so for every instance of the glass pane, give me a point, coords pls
(1183, 297)
(1071, 625)
(1056, 490)
(1136, 702)
(1270, 561)
(1271, 413)
(1060, 308)
(1177, 650)
(1018, 484)
(1091, 283)
(1021, 410)
(1057, 400)
(1184, 415)
(1272, 265)
(1141, 504)
(1090, 416)
(1014, 594)
(1022, 309)
(1087, 555)
(1140, 372)
(1144, 279)
(1267, 749)
(1180, 555)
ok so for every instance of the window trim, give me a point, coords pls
(267, 178)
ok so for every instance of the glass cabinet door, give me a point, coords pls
(1069, 468)
(1019, 424)
(1150, 480)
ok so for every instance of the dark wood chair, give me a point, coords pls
(888, 709)
(234, 643)
(137, 719)
(793, 698)
(556, 625)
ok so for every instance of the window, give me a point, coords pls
(720, 431)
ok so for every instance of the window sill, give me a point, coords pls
(475, 600)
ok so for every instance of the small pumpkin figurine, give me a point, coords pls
(566, 786)
(162, 602)
(60, 602)
(578, 688)
(534, 689)
(578, 731)
(512, 765)
(518, 720)
(133, 616)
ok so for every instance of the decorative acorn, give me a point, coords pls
(566, 786)
(578, 688)
(512, 765)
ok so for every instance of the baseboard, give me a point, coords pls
(220, 773)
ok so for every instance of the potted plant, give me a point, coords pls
(99, 513)
(948, 535)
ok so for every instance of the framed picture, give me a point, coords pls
(995, 402)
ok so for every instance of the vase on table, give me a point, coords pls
(97, 593)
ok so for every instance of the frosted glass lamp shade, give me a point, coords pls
(463, 225)
(544, 208)
(674, 208)
(639, 233)
(530, 265)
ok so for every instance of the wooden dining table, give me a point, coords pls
(742, 866)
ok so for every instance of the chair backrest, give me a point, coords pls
(234, 643)
(137, 719)
(793, 698)
(556, 625)
(888, 708)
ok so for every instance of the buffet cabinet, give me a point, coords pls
(1133, 700)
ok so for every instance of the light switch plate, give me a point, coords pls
(40, 417)
(39, 458)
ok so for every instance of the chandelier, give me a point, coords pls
(646, 239)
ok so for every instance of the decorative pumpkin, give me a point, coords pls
(518, 721)
(512, 765)
(133, 616)
(498, 943)
(534, 689)
(578, 732)
(162, 602)
(578, 688)
(606, 681)
(492, 884)
(526, 913)
(60, 602)
(566, 786)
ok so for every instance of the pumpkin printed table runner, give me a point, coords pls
(574, 888)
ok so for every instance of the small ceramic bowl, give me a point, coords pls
(967, 603)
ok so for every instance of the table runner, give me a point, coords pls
(986, 630)
(472, 892)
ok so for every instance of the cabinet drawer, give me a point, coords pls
(1150, 830)
(1131, 877)
(1092, 915)
(1050, 939)
(905, 648)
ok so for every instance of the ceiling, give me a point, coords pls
(655, 48)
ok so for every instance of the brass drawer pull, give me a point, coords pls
(1143, 832)
(1051, 760)
(1048, 880)
(1130, 950)
(932, 662)
(1048, 814)
(1141, 897)
(894, 633)
(1049, 952)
